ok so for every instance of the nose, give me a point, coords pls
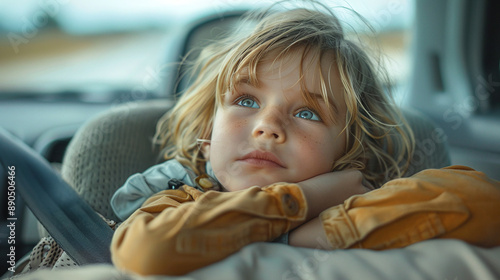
(270, 126)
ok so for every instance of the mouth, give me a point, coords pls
(262, 159)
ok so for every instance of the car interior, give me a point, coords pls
(73, 148)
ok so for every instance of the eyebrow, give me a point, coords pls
(244, 79)
(330, 101)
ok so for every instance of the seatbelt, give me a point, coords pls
(75, 226)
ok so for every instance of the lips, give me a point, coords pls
(262, 159)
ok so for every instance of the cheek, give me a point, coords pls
(227, 129)
(227, 145)
(318, 153)
(228, 137)
(322, 150)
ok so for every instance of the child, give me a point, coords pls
(339, 90)
(292, 121)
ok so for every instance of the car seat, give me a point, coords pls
(110, 148)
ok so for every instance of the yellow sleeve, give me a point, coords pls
(178, 231)
(455, 202)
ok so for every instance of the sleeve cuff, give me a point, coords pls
(290, 199)
(340, 231)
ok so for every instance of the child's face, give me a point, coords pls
(266, 133)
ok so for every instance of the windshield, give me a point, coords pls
(100, 47)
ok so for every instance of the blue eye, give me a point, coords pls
(248, 102)
(308, 115)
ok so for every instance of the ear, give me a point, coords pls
(205, 150)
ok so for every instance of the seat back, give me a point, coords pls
(109, 148)
(431, 146)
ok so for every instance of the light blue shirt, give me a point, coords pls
(141, 186)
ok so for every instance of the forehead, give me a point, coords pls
(308, 65)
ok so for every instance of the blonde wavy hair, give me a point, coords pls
(379, 141)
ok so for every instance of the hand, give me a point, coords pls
(310, 235)
(322, 192)
(330, 189)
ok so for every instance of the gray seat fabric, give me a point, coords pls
(431, 145)
(118, 143)
(110, 148)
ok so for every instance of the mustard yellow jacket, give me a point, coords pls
(177, 231)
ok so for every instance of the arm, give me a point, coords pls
(331, 189)
(455, 202)
(310, 235)
(179, 231)
(322, 192)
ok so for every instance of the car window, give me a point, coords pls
(98, 50)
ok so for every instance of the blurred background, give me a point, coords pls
(93, 48)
